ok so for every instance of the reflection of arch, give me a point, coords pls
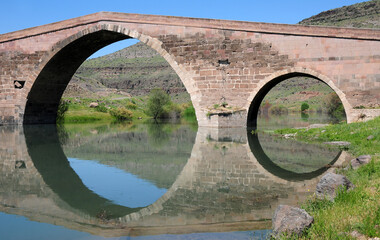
(266, 162)
(154, 219)
(60, 64)
(267, 84)
(50, 161)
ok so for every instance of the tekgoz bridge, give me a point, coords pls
(217, 60)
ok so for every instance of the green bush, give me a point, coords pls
(189, 114)
(63, 106)
(279, 110)
(304, 106)
(157, 101)
(121, 114)
(334, 106)
(189, 111)
(131, 106)
(101, 108)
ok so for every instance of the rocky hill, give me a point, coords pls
(134, 70)
(360, 15)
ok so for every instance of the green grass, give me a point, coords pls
(80, 112)
(355, 133)
(355, 210)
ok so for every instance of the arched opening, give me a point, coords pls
(289, 159)
(47, 90)
(310, 89)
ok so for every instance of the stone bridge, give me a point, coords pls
(223, 187)
(217, 60)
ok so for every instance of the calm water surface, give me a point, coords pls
(150, 181)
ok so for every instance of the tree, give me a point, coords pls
(334, 106)
(304, 106)
(63, 106)
(156, 103)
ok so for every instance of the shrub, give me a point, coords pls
(304, 106)
(156, 102)
(131, 106)
(189, 113)
(174, 110)
(101, 108)
(63, 106)
(121, 114)
(279, 110)
(334, 106)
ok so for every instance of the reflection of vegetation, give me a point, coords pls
(291, 120)
(296, 156)
(304, 116)
(158, 134)
(62, 133)
(103, 215)
(133, 148)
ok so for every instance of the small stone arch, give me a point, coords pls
(264, 86)
(41, 106)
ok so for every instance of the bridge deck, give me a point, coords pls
(274, 28)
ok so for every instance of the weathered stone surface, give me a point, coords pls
(217, 60)
(338, 143)
(357, 235)
(290, 220)
(290, 135)
(93, 105)
(370, 137)
(330, 184)
(361, 160)
(317, 125)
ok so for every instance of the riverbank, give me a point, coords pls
(356, 212)
(87, 110)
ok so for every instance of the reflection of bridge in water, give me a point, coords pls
(222, 187)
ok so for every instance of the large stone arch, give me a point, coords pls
(65, 57)
(269, 82)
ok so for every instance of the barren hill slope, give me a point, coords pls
(360, 15)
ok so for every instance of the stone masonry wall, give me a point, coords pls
(218, 61)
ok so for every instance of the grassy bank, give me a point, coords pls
(356, 210)
(79, 110)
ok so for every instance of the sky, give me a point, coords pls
(20, 14)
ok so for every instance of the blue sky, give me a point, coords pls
(20, 14)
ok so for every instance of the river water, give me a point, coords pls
(152, 181)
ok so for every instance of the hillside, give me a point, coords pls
(360, 15)
(292, 92)
(134, 70)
